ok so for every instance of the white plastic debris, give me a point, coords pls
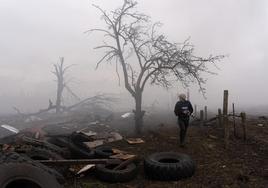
(114, 136)
(94, 144)
(85, 169)
(94, 123)
(10, 128)
(127, 115)
(32, 118)
(89, 133)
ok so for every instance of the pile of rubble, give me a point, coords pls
(30, 160)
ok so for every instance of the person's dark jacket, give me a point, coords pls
(183, 109)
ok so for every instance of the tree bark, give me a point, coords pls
(59, 96)
(139, 113)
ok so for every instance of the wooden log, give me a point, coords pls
(77, 162)
(243, 118)
(225, 119)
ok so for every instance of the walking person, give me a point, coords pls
(183, 110)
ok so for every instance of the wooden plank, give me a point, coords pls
(122, 156)
(76, 162)
(135, 141)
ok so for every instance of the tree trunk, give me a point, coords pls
(138, 113)
(59, 96)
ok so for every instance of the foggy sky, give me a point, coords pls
(35, 33)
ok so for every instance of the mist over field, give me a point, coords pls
(35, 33)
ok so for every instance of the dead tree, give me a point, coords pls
(130, 35)
(59, 72)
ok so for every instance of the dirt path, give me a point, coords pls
(242, 165)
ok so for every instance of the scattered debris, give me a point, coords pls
(94, 123)
(212, 136)
(123, 156)
(94, 144)
(89, 133)
(117, 151)
(32, 118)
(260, 125)
(85, 169)
(135, 141)
(263, 117)
(127, 115)
(10, 128)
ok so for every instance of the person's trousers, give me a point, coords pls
(183, 124)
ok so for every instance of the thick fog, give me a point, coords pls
(35, 33)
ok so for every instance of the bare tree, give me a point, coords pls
(59, 72)
(130, 35)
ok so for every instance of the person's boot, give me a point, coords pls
(182, 145)
(182, 140)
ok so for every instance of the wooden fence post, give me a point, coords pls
(225, 118)
(234, 120)
(220, 117)
(243, 118)
(206, 113)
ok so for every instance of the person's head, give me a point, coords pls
(182, 97)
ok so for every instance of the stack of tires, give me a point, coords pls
(108, 173)
(20, 171)
(74, 146)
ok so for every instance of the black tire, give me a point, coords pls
(106, 173)
(59, 141)
(80, 151)
(76, 150)
(169, 166)
(63, 143)
(78, 137)
(19, 171)
(104, 151)
(38, 153)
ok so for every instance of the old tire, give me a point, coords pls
(19, 171)
(106, 173)
(104, 151)
(59, 141)
(78, 137)
(80, 151)
(76, 150)
(168, 166)
(38, 153)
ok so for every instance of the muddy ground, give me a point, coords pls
(244, 164)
